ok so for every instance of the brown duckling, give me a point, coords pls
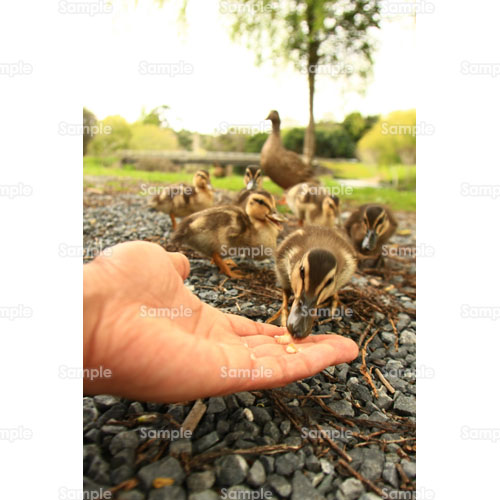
(229, 231)
(370, 227)
(313, 205)
(253, 182)
(286, 168)
(312, 264)
(179, 200)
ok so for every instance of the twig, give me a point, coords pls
(365, 333)
(364, 370)
(194, 416)
(332, 443)
(385, 381)
(363, 479)
(396, 342)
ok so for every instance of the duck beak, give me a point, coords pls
(251, 185)
(369, 241)
(268, 117)
(276, 219)
(301, 317)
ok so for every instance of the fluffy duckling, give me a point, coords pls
(313, 206)
(284, 167)
(233, 231)
(312, 264)
(370, 227)
(179, 200)
(253, 182)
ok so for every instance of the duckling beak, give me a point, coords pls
(276, 218)
(369, 241)
(251, 185)
(301, 318)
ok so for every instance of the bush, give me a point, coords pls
(391, 140)
(254, 143)
(152, 138)
(118, 137)
(89, 121)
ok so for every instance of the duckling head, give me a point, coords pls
(253, 177)
(262, 207)
(330, 204)
(375, 222)
(313, 281)
(201, 180)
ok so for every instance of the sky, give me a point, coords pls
(218, 84)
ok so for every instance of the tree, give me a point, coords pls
(114, 134)
(316, 36)
(89, 123)
(156, 117)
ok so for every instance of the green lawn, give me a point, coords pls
(122, 178)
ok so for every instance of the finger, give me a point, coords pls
(282, 370)
(181, 263)
(244, 326)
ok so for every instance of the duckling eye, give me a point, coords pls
(329, 282)
(260, 202)
(302, 272)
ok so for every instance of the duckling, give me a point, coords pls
(284, 167)
(370, 227)
(253, 182)
(312, 204)
(179, 200)
(233, 231)
(312, 264)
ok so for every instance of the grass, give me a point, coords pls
(404, 200)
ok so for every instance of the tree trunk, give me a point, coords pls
(310, 139)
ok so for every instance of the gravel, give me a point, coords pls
(116, 451)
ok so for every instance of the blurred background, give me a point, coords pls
(189, 83)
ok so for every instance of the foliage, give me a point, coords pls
(185, 139)
(391, 140)
(151, 137)
(254, 143)
(115, 134)
(156, 117)
(89, 122)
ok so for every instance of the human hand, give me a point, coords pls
(202, 352)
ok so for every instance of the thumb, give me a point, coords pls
(181, 263)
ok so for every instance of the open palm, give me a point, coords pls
(161, 343)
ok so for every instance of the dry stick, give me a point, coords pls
(365, 333)
(403, 475)
(385, 381)
(271, 449)
(364, 369)
(363, 479)
(396, 342)
(194, 416)
(334, 446)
